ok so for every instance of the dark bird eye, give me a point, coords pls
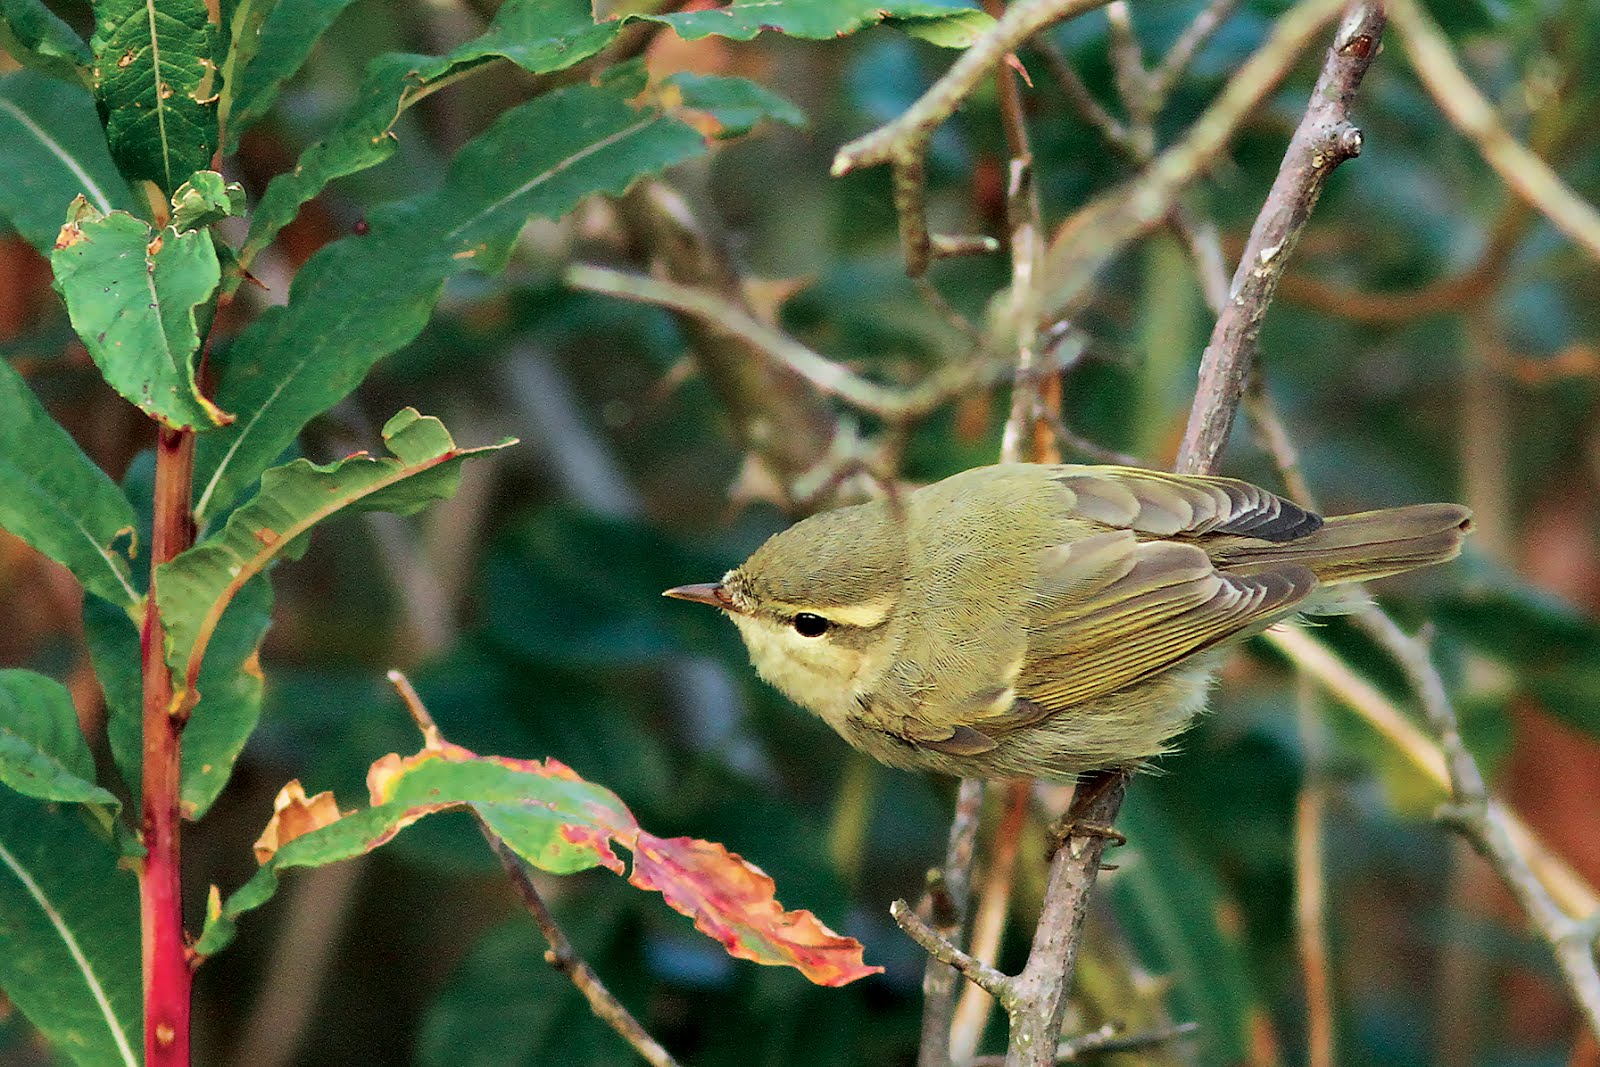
(809, 625)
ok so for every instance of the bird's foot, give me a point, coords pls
(1068, 828)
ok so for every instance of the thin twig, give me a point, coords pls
(1104, 1041)
(560, 955)
(1527, 175)
(1568, 888)
(903, 143)
(1165, 75)
(948, 900)
(1099, 232)
(1324, 139)
(833, 379)
(1310, 881)
(994, 906)
(1483, 821)
(1083, 101)
(986, 977)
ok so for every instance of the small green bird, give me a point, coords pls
(1026, 620)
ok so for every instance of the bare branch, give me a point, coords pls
(1484, 821)
(833, 379)
(1107, 1039)
(1528, 176)
(948, 899)
(903, 143)
(987, 978)
(1098, 233)
(560, 955)
(1083, 101)
(1183, 50)
(1324, 139)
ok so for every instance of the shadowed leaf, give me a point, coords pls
(55, 498)
(132, 293)
(32, 35)
(560, 823)
(835, 18)
(55, 150)
(69, 921)
(42, 750)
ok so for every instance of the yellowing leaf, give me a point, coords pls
(295, 815)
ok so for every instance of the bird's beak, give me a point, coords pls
(706, 593)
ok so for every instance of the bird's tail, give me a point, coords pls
(1353, 548)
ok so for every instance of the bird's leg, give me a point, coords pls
(1070, 825)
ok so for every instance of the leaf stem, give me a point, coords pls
(167, 971)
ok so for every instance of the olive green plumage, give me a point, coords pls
(1035, 620)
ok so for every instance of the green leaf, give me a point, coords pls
(155, 75)
(818, 21)
(55, 498)
(195, 589)
(205, 198)
(735, 104)
(540, 36)
(132, 294)
(365, 296)
(558, 822)
(281, 43)
(42, 750)
(32, 35)
(54, 150)
(69, 921)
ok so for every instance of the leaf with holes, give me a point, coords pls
(557, 822)
(155, 75)
(55, 150)
(69, 921)
(131, 292)
(195, 589)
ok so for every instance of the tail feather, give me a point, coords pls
(1353, 548)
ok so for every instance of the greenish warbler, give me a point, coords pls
(1026, 620)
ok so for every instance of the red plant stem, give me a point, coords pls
(166, 959)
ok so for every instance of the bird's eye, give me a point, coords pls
(809, 625)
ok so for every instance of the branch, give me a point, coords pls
(1486, 823)
(1041, 988)
(718, 313)
(1108, 1039)
(1324, 139)
(1098, 233)
(948, 899)
(984, 976)
(560, 955)
(1528, 176)
(903, 143)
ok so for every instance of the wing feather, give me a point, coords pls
(1171, 505)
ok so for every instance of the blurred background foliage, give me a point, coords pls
(1434, 340)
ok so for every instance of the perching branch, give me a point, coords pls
(903, 143)
(560, 955)
(1041, 988)
(1524, 172)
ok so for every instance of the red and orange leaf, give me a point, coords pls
(735, 902)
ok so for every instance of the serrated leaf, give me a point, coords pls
(55, 150)
(560, 823)
(55, 498)
(131, 292)
(34, 36)
(69, 921)
(154, 75)
(540, 36)
(814, 20)
(205, 198)
(195, 589)
(42, 751)
(365, 296)
(733, 106)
